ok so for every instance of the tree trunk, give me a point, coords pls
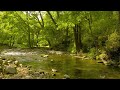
(77, 35)
(42, 19)
(58, 14)
(37, 36)
(32, 42)
(95, 42)
(80, 36)
(49, 42)
(29, 42)
(13, 41)
(10, 41)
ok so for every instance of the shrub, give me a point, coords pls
(113, 46)
(113, 42)
(92, 53)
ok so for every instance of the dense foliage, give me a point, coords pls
(73, 31)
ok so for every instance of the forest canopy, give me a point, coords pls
(59, 44)
(72, 31)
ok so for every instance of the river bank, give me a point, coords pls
(50, 64)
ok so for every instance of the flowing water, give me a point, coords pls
(66, 64)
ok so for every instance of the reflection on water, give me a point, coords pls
(77, 68)
(67, 65)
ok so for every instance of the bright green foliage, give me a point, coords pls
(113, 42)
(88, 31)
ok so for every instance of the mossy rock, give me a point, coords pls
(10, 70)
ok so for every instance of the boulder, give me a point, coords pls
(10, 70)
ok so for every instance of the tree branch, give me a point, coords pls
(42, 19)
(52, 19)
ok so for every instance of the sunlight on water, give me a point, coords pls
(19, 53)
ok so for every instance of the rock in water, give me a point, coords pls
(54, 70)
(16, 63)
(66, 76)
(45, 56)
(28, 77)
(53, 74)
(10, 70)
(51, 60)
(20, 65)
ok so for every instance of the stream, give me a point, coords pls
(65, 64)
